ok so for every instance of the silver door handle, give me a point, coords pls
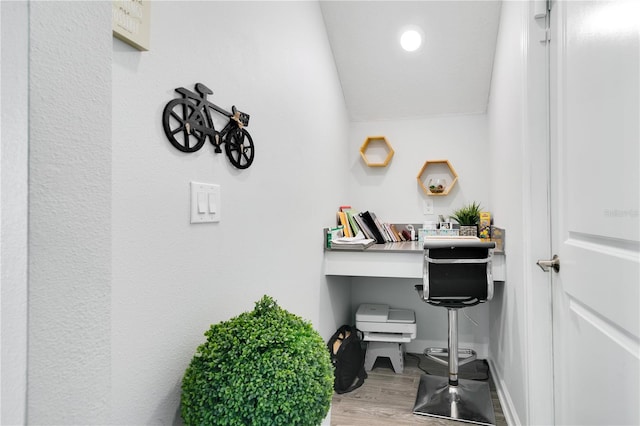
(554, 263)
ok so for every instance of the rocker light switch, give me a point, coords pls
(202, 203)
(212, 203)
(205, 202)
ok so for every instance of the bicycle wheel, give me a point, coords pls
(183, 124)
(239, 148)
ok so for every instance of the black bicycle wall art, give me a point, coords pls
(187, 122)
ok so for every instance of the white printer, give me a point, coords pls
(385, 330)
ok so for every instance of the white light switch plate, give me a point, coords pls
(427, 206)
(205, 202)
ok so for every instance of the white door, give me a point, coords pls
(595, 129)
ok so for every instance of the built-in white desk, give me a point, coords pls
(394, 260)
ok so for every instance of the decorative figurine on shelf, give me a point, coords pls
(187, 122)
(437, 186)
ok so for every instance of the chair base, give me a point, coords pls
(469, 402)
(441, 355)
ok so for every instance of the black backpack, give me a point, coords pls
(347, 357)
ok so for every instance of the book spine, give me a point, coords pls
(395, 232)
(352, 222)
(386, 232)
(392, 235)
(372, 226)
(380, 227)
(363, 227)
(345, 223)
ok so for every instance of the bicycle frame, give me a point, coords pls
(188, 122)
(237, 118)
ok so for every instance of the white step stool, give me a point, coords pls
(385, 331)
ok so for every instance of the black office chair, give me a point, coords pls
(456, 274)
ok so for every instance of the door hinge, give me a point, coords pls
(547, 19)
(541, 8)
(547, 36)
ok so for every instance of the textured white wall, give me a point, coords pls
(13, 231)
(393, 193)
(69, 213)
(171, 279)
(122, 287)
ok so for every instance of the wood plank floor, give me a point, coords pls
(387, 398)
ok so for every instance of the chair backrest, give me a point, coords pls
(457, 273)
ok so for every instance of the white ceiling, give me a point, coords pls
(449, 74)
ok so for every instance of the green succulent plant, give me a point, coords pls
(263, 367)
(467, 215)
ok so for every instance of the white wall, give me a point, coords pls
(507, 330)
(520, 327)
(122, 287)
(171, 279)
(506, 130)
(432, 328)
(69, 213)
(394, 194)
(13, 215)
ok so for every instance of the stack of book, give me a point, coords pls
(358, 242)
(366, 222)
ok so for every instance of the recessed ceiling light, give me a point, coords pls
(411, 40)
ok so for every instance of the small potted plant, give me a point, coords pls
(264, 367)
(468, 217)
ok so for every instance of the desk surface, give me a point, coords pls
(403, 247)
(393, 260)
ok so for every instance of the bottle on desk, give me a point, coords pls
(412, 232)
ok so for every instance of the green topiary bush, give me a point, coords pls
(264, 367)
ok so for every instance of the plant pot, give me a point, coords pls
(469, 230)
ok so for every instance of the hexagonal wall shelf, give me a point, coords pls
(437, 177)
(376, 145)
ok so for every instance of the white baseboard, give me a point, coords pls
(510, 414)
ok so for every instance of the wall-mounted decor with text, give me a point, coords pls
(187, 122)
(131, 19)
